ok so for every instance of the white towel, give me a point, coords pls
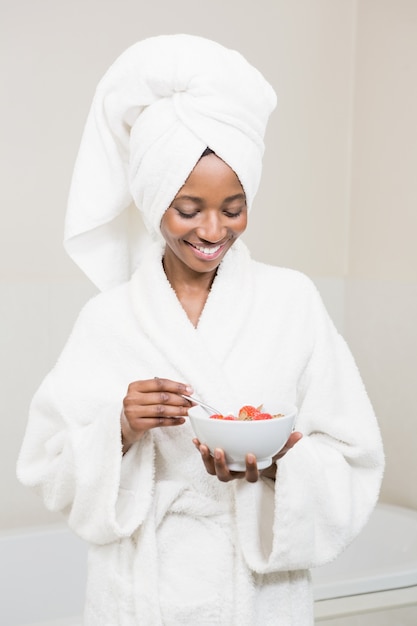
(158, 107)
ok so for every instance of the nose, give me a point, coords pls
(212, 228)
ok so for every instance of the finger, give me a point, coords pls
(221, 467)
(139, 413)
(171, 386)
(166, 398)
(292, 440)
(156, 392)
(168, 421)
(207, 459)
(136, 428)
(252, 472)
(161, 384)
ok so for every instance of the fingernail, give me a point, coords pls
(251, 459)
(217, 454)
(189, 389)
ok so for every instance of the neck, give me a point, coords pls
(191, 288)
(181, 277)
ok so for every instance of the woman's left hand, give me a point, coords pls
(216, 465)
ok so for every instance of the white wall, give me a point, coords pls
(381, 292)
(54, 54)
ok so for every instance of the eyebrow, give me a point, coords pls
(196, 199)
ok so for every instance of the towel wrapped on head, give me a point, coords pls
(158, 107)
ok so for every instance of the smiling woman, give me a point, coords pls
(176, 534)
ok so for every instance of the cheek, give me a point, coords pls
(168, 227)
(241, 224)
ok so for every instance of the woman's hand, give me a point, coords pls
(150, 404)
(271, 471)
(216, 465)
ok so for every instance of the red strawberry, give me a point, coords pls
(248, 412)
(263, 416)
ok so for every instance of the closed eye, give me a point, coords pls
(186, 216)
(233, 213)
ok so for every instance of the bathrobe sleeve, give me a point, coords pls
(328, 484)
(72, 451)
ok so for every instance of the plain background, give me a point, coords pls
(338, 198)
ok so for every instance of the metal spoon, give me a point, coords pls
(209, 409)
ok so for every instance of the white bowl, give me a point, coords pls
(263, 438)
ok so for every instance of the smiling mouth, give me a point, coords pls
(207, 250)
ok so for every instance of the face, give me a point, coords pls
(205, 218)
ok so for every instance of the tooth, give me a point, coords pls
(208, 250)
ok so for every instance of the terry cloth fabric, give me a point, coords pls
(171, 544)
(158, 107)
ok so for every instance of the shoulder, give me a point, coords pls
(286, 280)
(292, 297)
(102, 326)
(106, 307)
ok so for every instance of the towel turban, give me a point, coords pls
(157, 108)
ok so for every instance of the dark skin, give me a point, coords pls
(204, 220)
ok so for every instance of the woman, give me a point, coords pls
(175, 537)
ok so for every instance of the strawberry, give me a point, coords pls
(263, 416)
(248, 412)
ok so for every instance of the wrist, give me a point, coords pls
(125, 433)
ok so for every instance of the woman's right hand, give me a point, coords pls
(153, 403)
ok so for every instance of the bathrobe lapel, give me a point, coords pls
(197, 354)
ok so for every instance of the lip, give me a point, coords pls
(207, 253)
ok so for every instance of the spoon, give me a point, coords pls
(209, 409)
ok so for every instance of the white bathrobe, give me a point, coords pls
(170, 544)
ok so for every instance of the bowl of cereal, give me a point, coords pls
(262, 431)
